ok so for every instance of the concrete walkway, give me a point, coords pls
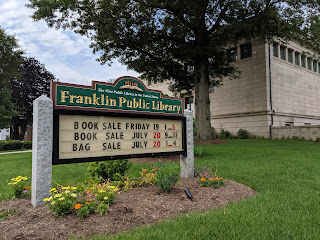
(15, 152)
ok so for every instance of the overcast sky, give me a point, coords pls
(65, 54)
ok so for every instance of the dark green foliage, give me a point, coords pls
(181, 40)
(224, 134)
(295, 138)
(27, 144)
(107, 169)
(34, 82)
(10, 59)
(14, 145)
(167, 175)
(243, 134)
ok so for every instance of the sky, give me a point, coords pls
(65, 54)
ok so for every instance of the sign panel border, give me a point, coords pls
(56, 113)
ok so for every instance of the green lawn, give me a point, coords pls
(286, 175)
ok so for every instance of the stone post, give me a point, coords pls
(187, 162)
(42, 137)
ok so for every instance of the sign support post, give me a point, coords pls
(187, 161)
(42, 138)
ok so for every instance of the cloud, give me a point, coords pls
(65, 54)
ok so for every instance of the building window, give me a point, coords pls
(283, 52)
(303, 61)
(309, 61)
(290, 55)
(149, 82)
(297, 58)
(315, 64)
(275, 50)
(7, 130)
(232, 54)
(288, 124)
(307, 124)
(245, 50)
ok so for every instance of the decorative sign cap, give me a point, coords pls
(126, 94)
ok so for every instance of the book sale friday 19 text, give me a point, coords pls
(95, 136)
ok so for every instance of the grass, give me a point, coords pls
(286, 175)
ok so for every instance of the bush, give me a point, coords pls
(167, 175)
(27, 144)
(243, 134)
(224, 134)
(14, 145)
(108, 169)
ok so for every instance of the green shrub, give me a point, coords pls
(243, 134)
(27, 144)
(295, 138)
(13, 145)
(107, 169)
(2, 145)
(224, 134)
(167, 175)
(318, 139)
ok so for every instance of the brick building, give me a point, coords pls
(279, 85)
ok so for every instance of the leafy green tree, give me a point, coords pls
(35, 81)
(182, 40)
(10, 59)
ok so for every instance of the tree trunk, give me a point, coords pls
(202, 101)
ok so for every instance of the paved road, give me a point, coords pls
(15, 152)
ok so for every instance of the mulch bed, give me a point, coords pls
(139, 206)
(136, 207)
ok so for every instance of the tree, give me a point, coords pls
(10, 59)
(35, 81)
(182, 40)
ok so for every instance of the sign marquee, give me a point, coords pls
(115, 121)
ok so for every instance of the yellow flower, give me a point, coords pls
(60, 199)
(53, 203)
(46, 200)
(105, 198)
(67, 191)
(53, 190)
(73, 195)
(113, 187)
(74, 188)
(64, 188)
(58, 195)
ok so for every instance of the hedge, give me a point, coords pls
(14, 145)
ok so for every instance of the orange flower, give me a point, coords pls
(90, 200)
(153, 170)
(27, 188)
(203, 179)
(86, 203)
(211, 179)
(220, 178)
(145, 170)
(77, 206)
